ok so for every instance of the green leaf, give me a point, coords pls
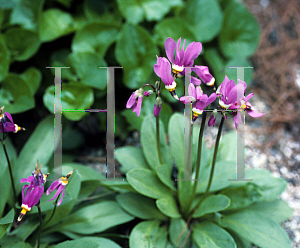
(209, 235)
(63, 211)
(212, 204)
(15, 95)
(153, 10)
(240, 33)
(22, 43)
(95, 218)
(119, 186)
(78, 243)
(147, 183)
(175, 229)
(39, 147)
(149, 143)
(27, 14)
(136, 52)
(102, 242)
(228, 147)
(243, 196)
(130, 157)
(54, 24)
(174, 27)
(277, 210)
(204, 18)
(73, 96)
(6, 221)
(164, 173)
(139, 206)
(4, 58)
(5, 182)
(86, 66)
(100, 36)
(168, 207)
(33, 78)
(86, 173)
(148, 234)
(87, 188)
(27, 228)
(185, 189)
(257, 229)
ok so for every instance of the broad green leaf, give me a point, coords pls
(22, 43)
(240, 33)
(86, 66)
(95, 218)
(204, 18)
(63, 211)
(130, 157)
(148, 234)
(175, 229)
(102, 242)
(232, 72)
(27, 228)
(15, 95)
(153, 10)
(40, 146)
(228, 147)
(209, 235)
(149, 142)
(168, 206)
(164, 173)
(27, 14)
(139, 206)
(78, 243)
(147, 109)
(118, 185)
(147, 183)
(136, 52)
(5, 182)
(258, 229)
(185, 189)
(174, 27)
(100, 36)
(4, 58)
(86, 173)
(277, 210)
(87, 188)
(54, 24)
(73, 96)
(212, 204)
(12, 242)
(32, 77)
(6, 221)
(243, 196)
(240, 242)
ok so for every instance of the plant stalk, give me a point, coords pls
(210, 179)
(40, 227)
(53, 212)
(158, 139)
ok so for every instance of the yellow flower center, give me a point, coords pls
(64, 180)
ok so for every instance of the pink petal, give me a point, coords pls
(52, 187)
(131, 100)
(254, 114)
(170, 46)
(61, 198)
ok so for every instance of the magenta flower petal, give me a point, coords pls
(170, 46)
(9, 117)
(131, 100)
(212, 120)
(52, 187)
(28, 179)
(59, 189)
(188, 99)
(192, 91)
(138, 106)
(62, 196)
(237, 119)
(248, 97)
(254, 114)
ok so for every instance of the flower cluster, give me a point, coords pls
(231, 95)
(7, 123)
(35, 189)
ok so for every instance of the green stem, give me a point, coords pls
(10, 171)
(53, 212)
(198, 158)
(210, 178)
(158, 140)
(40, 228)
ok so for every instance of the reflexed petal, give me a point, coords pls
(242, 83)
(195, 81)
(212, 121)
(237, 119)
(236, 94)
(52, 187)
(211, 98)
(192, 90)
(9, 117)
(24, 187)
(38, 195)
(254, 114)
(28, 179)
(62, 196)
(248, 97)
(59, 189)
(131, 100)
(187, 99)
(199, 93)
(177, 58)
(139, 105)
(182, 53)
(170, 46)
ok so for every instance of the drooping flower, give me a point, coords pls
(59, 185)
(204, 75)
(232, 97)
(7, 123)
(34, 192)
(183, 58)
(135, 101)
(163, 69)
(157, 106)
(201, 101)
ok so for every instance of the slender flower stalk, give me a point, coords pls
(53, 212)
(210, 179)
(40, 227)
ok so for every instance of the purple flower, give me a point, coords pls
(7, 123)
(34, 191)
(135, 101)
(148, 93)
(163, 70)
(212, 119)
(59, 185)
(204, 75)
(232, 98)
(182, 58)
(201, 100)
(157, 106)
